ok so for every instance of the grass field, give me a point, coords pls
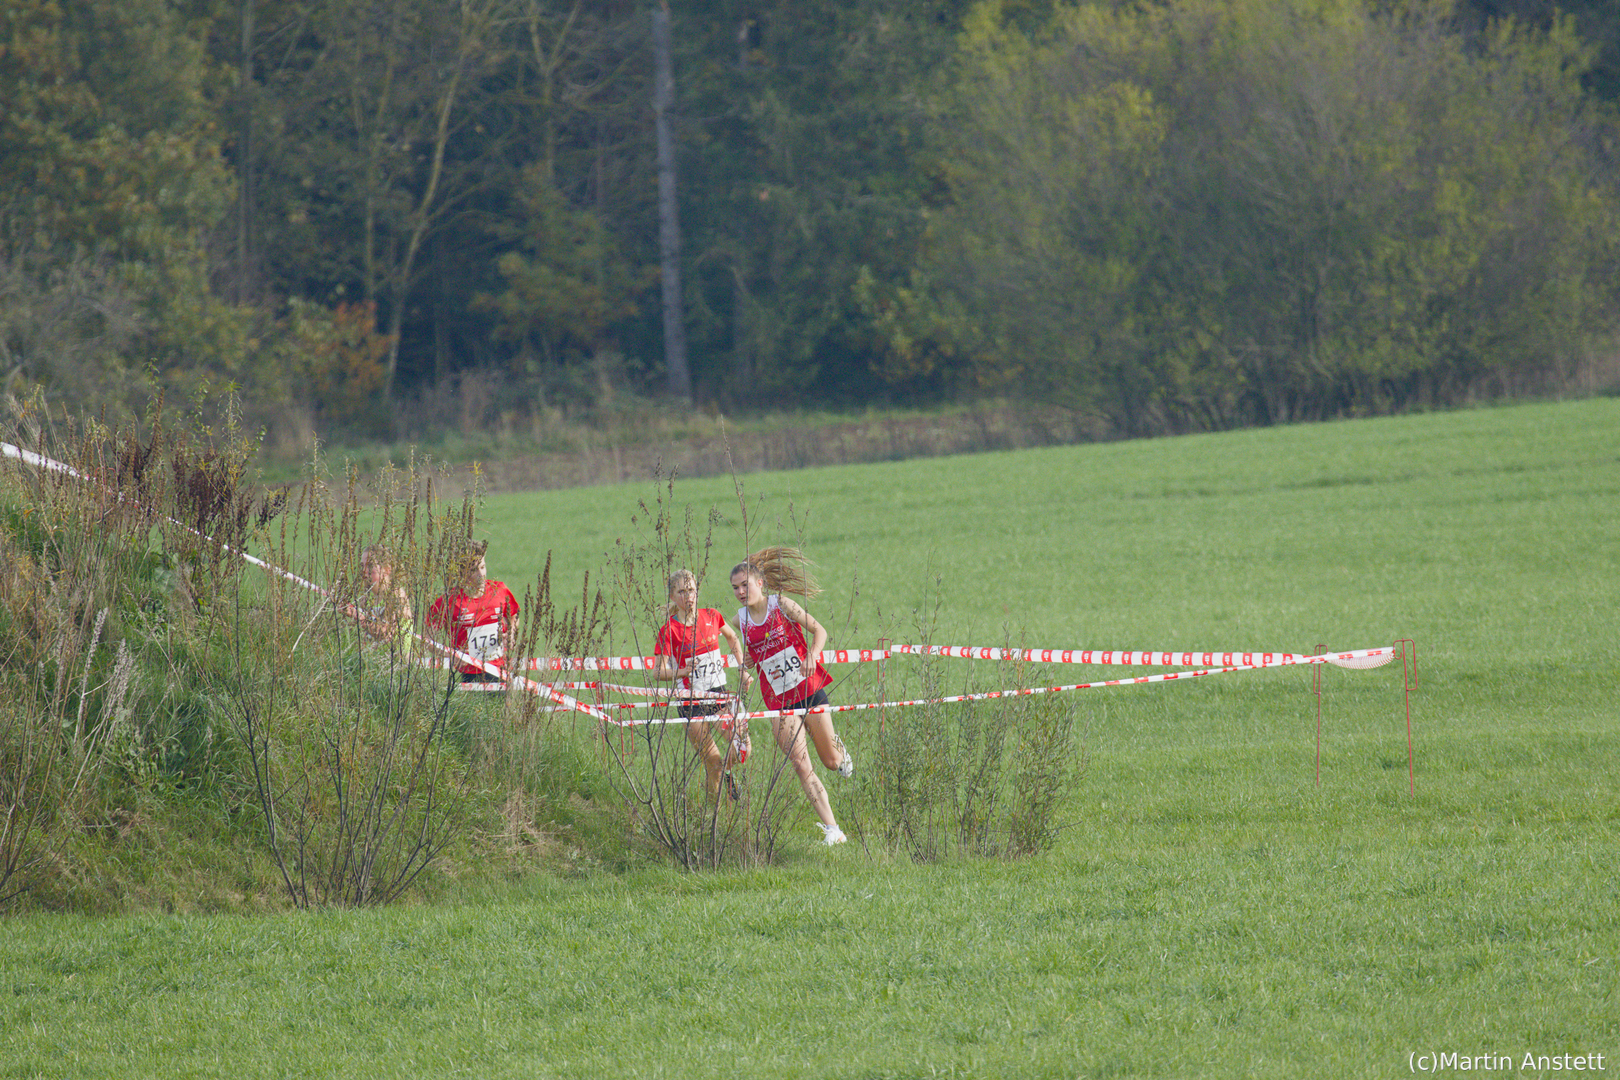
(1208, 911)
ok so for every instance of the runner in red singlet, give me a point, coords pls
(688, 652)
(790, 672)
(480, 617)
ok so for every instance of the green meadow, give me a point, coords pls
(1209, 908)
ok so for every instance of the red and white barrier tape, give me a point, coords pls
(1116, 657)
(650, 663)
(1153, 658)
(1382, 655)
(515, 681)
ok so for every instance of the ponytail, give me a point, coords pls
(780, 570)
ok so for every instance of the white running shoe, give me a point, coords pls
(846, 766)
(832, 834)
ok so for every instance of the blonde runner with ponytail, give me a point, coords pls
(791, 678)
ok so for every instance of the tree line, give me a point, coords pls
(1168, 214)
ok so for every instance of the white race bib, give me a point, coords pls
(706, 672)
(484, 642)
(783, 670)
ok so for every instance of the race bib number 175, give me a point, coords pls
(484, 642)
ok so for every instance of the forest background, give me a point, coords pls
(389, 218)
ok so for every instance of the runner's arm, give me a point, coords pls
(734, 639)
(665, 668)
(817, 632)
(736, 649)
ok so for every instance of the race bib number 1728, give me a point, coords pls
(707, 672)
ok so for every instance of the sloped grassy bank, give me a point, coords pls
(181, 730)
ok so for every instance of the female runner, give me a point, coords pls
(790, 671)
(384, 611)
(688, 652)
(480, 618)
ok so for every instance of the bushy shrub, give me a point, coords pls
(147, 662)
(983, 777)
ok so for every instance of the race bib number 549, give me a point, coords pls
(783, 670)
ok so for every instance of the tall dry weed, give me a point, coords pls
(100, 620)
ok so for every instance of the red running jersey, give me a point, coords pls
(777, 648)
(697, 645)
(477, 624)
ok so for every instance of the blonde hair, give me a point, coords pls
(380, 555)
(396, 600)
(676, 579)
(471, 553)
(779, 570)
(376, 555)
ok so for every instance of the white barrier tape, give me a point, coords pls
(39, 460)
(1146, 658)
(53, 465)
(1370, 659)
(656, 703)
(1115, 657)
(650, 663)
(663, 704)
(658, 694)
(1140, 680)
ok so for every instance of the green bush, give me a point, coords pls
(150, 672)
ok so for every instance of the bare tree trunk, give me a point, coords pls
(549, 61)
(246, 290)
(742, 363)
(669, 228)
(421, 219)
(371, 145)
